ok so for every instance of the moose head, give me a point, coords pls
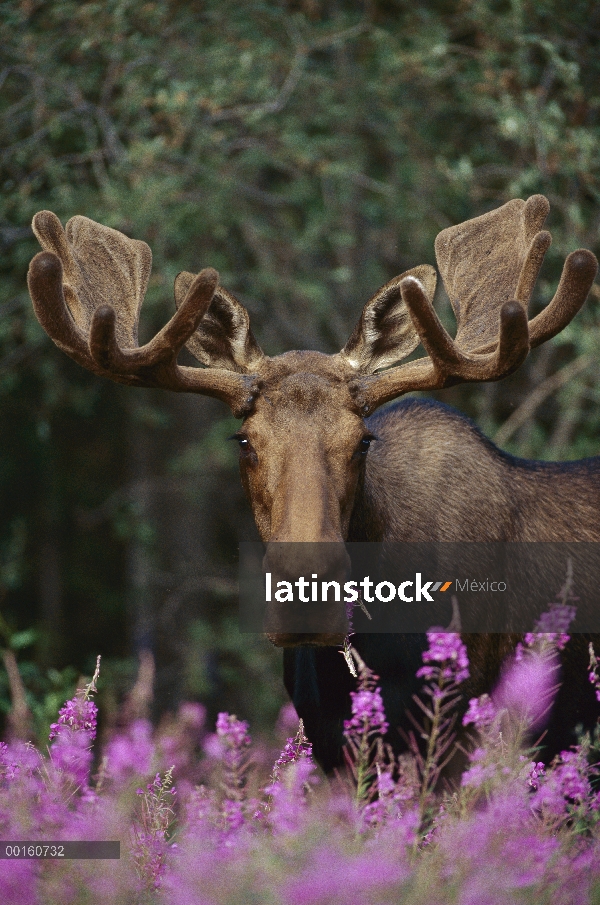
(304, 440)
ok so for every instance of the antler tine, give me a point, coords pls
(579, 272)
(163, 349)
(490, 266)
(155, 363)
(447, 364)
(450, 362)
(70, 284)
(45, 282)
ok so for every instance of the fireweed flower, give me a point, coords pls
(364, 729)
(229, 745)
(446, 665)
(234, 732)
(286, 806)
(340, 877)
(292, 772)
(446, 658)
(20, 761)
(150, 833)
(480, 771)
(481, 712)
(552, 626)
(521, 833)
(78, 715)
(131, 752)
(293, 750)
(287, 721)
(72, 755)
(367, 714)
(498, 852)
(19, 881)
(566, 785)
(72, 736)
(377, 812)
(527, 687)
(536, 771)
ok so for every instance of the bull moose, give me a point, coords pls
(316, 463)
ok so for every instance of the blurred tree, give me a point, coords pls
(309, 150)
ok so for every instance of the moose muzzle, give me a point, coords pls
(305, 582)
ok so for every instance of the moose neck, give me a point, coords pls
(433, 476)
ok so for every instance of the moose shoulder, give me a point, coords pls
(434, 476)
(308, 424)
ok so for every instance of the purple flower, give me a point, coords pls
(479, 771)
(287, 720)
(77, 715)
(73, 735)
(333, 876)
(71, 753)
(481, 712)
(496, 852)
(566, 783)
(229, 744)
(367, 713)
(233, 815)
(286, 808)
(19, 760)
(552, 625)
(527, 687)
(192, 715)
(536, 771)
(293, 750)
(233, 731)
(376, 813)
(292, 770)
(19, 882)
(213, 745)
(131, 753)
(447, 651)
(150, 848)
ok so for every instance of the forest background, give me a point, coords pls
(310, 150)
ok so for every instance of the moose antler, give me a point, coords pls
(87, 288)
(489, 266)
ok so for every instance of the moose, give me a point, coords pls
(317, 465)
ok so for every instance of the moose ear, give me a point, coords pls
(385, 333)
(224, 338)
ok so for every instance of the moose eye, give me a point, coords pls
(244, 444)
(242, 440)
(363, 446)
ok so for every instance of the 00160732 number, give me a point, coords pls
(31, 850)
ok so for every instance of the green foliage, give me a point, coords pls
(308, 150)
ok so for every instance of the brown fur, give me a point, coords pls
(432, 475)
